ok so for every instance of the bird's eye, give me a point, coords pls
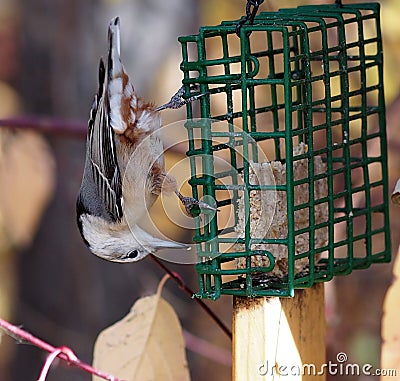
(133, 254)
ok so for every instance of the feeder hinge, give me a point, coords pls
(250, 14)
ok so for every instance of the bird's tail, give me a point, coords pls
(115, 68)
(121, 96)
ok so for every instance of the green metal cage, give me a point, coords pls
(301, 90)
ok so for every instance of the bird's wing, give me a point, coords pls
(111, 114)
(102, 152)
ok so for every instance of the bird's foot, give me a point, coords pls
(194, 207)
(177, 100)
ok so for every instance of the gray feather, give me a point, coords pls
(102, 183)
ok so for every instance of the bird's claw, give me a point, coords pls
(194, 207)
(177, 100)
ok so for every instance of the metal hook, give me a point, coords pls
(52, 356)
(250, 14)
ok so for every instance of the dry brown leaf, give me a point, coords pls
(27, 175)
(146, 345)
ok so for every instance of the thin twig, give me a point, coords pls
(208, 350)
(47, 125)
(179, 281)
(63, 353)
(49, 361)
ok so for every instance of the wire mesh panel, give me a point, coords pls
(290, 142)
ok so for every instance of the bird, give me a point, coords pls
(124, 166)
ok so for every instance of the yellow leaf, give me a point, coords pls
(146, 345)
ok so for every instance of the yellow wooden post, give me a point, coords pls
(280, 337)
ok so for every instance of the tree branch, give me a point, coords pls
(47, 125)
(179, 281)
(64, 353)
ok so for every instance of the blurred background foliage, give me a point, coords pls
(49, 282)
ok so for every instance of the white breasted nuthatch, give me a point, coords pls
(124, 168)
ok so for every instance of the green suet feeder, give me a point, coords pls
(296, 97)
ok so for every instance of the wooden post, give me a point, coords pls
(280, 336)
